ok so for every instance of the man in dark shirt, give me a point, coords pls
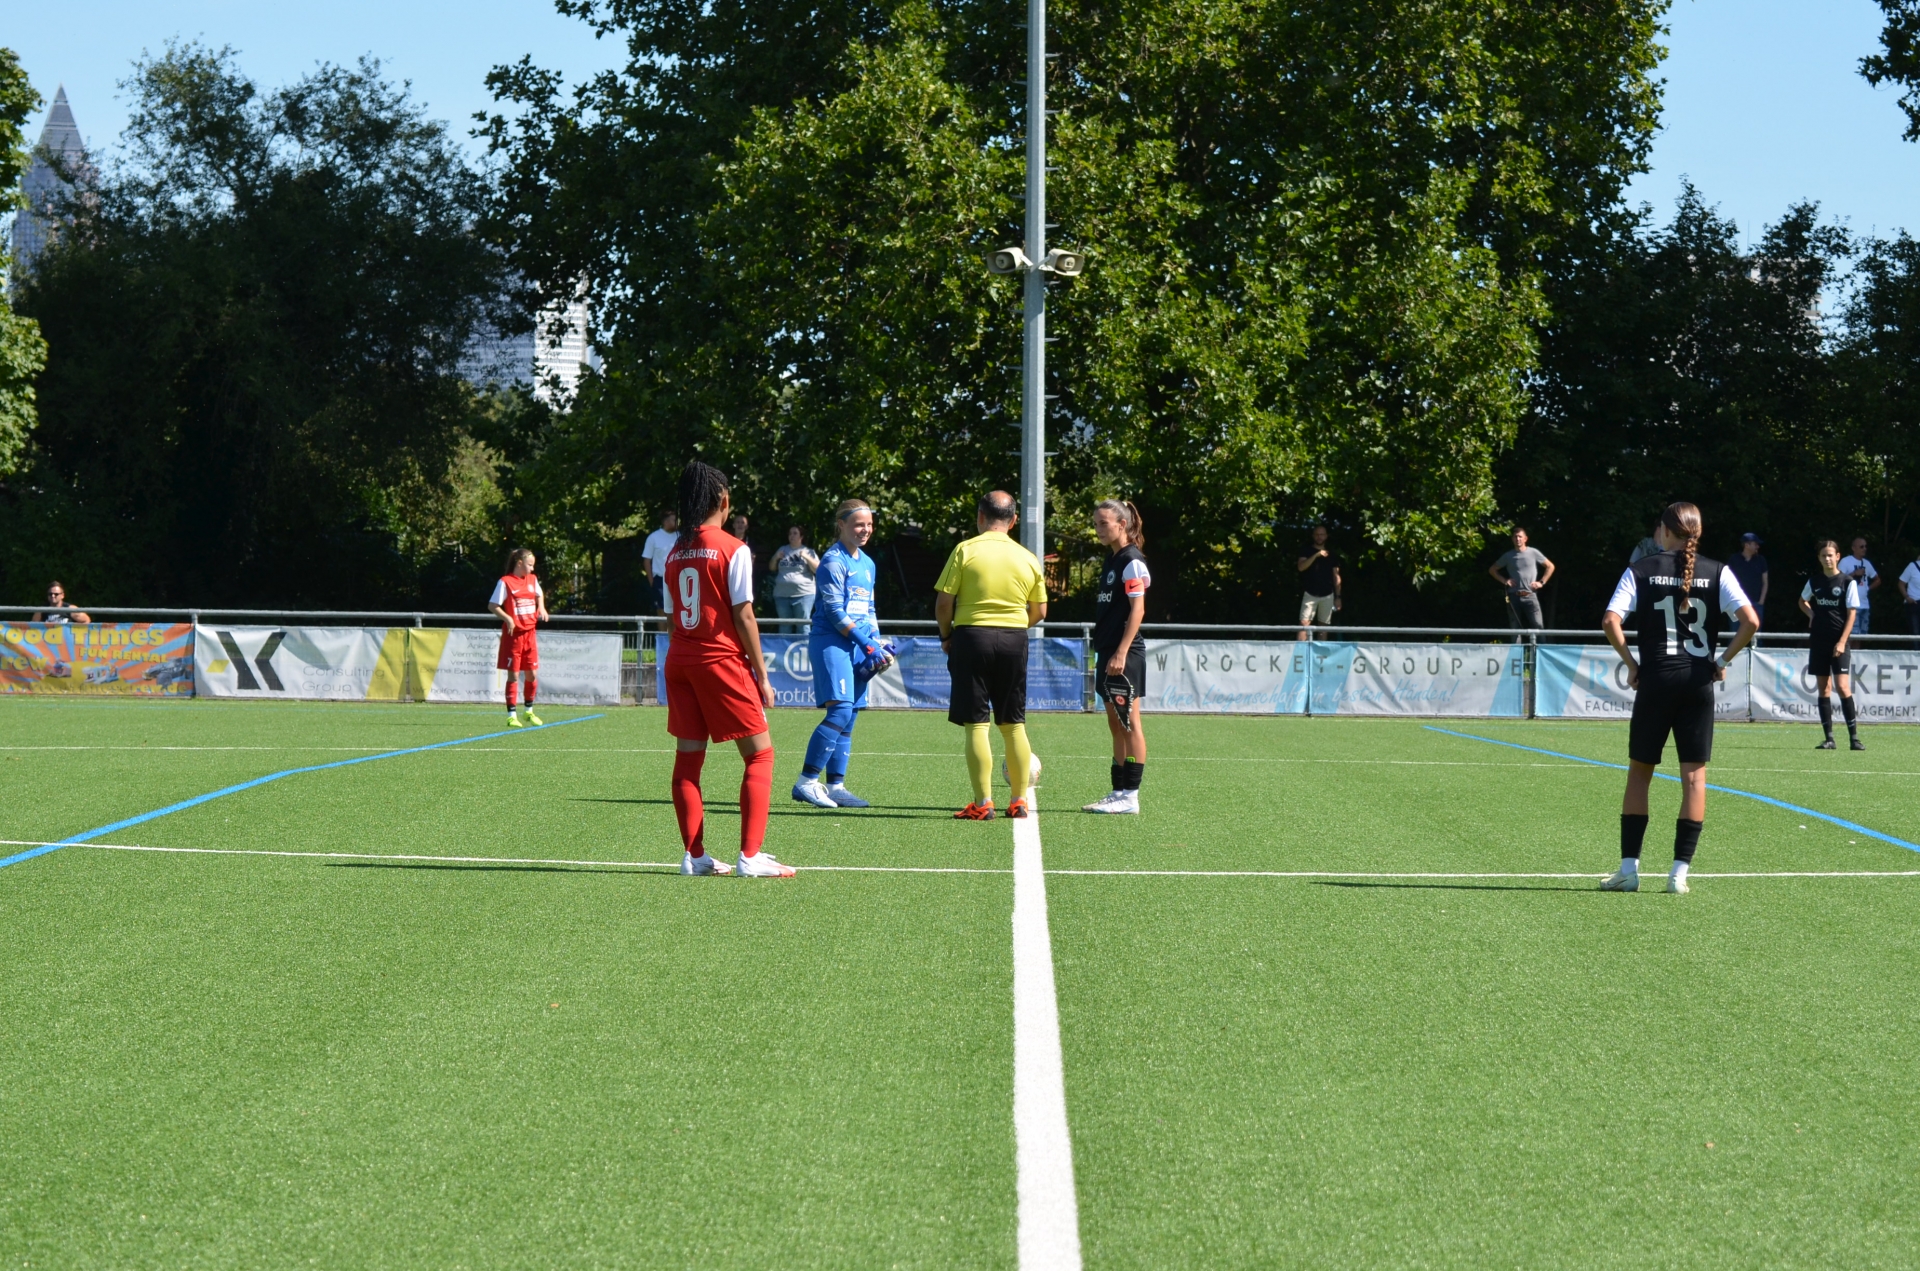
(1319, 567)
(1750, 567)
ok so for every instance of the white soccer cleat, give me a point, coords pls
(1033, 773)
(809, 790)
(1621, 880)
(845, 798)
(691, 864)
(1119, 802)
(1130, 801)
(1104, 803)
(1677, 884)
(762, 865)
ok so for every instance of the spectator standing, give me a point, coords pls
(1750, 567)
(1648, 546)
(990, 592)
(1910, 591)
(1319, 566)
(792, 568)
(656, 549)
(1520, 571)
(58, 610)
(1858, 569)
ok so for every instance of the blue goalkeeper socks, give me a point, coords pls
(831, 734)
(842, 753)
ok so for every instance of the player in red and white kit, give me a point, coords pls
(716, 680)
(519, 604)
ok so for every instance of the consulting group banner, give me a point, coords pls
(149, 659)
(917, 680)
(461, 664)
(1331, 677)
(1589, 681)
(430, 664)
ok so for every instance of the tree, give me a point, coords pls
(1319, 232)
(255, 320)
(22, 352)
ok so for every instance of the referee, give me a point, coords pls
(991, 591)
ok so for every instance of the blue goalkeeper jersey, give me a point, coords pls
(843, 593)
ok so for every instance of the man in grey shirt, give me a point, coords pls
(1523, 571)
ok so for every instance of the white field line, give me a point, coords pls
(930, 869)
(1048, 1212)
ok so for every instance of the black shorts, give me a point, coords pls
(1822, 660)
(1136, 671)
(1684, 710)
(989, 670)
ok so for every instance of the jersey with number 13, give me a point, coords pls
(708, 573)
(1677, 630)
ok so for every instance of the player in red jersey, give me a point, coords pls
(519, 604)
(715, 677)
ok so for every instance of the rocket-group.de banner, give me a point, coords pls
(149, 659)
(1330, 677)
(1589, 681)
(1885, 684)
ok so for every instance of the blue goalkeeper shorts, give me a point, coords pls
(833, 678)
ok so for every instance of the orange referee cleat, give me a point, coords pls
(975, 812)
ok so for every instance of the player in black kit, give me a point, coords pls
(1831, 604)
(1680, 598)
(1120, 659)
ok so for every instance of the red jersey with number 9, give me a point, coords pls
(708, 573)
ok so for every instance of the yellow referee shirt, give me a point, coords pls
(992, 580)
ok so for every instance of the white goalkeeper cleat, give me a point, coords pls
(845, 798)
(691, 864)
(1621, 880)
(809, 790)
(762, 865)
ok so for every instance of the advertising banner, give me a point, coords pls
(461, 664)
(917, 680)
(323, 663)
(1589, 681)
(1885, 683)
(1327, 677)
(152, 659)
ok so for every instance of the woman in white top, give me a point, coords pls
(792, 569)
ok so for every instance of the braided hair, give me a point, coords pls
(702, 486)
(1123, 511)
(1683, 522)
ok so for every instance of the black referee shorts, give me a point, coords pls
(989, 670)
(1136, 672)
(1685, 710)
(1822, 660)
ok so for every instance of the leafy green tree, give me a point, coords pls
(22, 351)
(256, 319)
(1320, 235)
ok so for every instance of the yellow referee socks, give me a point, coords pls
(1019, 758)
(980, 763)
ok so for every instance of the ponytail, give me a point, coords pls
(1129, 517)
(702, 487)
(1683, 521)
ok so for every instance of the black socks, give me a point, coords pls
(1686, 838)
(1119, 777)
(1826, 713)
(1633, 831)
(1853, 719)
(1131, 771)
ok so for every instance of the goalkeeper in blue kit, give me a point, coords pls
(847, 651)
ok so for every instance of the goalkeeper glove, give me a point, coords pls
(872, 658)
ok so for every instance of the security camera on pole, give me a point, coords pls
(1033, 260)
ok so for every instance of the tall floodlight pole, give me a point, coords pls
(1033, 352)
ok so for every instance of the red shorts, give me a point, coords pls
(519, 652)
(712, 701)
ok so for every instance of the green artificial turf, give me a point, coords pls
(246, 1061)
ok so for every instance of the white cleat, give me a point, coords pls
(809, 790)
(1105, 803)
(1621, 880)
(1677, 885)
(1120, 802)
(691, 864)
(762, 865)
(845, 798)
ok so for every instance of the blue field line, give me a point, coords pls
(1844, 824)
(199, 799)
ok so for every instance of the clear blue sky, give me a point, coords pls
(1764, 105)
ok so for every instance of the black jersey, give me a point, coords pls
(1828, 598)
(1676, 633)
(1119, 582)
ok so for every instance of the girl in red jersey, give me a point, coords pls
(716, 680)
(519, 604)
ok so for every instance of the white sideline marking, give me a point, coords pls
(1049, 1214)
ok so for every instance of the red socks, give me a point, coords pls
(756, 792)
(687, 807)
(532, 682)
(513, 692)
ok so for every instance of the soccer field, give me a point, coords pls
(1344, 995)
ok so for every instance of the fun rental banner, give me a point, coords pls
(918, 680)
(1325, 677)
(461, 664)
(1589, 681)
(1885, 683)
(338, 664)
(150, 659)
